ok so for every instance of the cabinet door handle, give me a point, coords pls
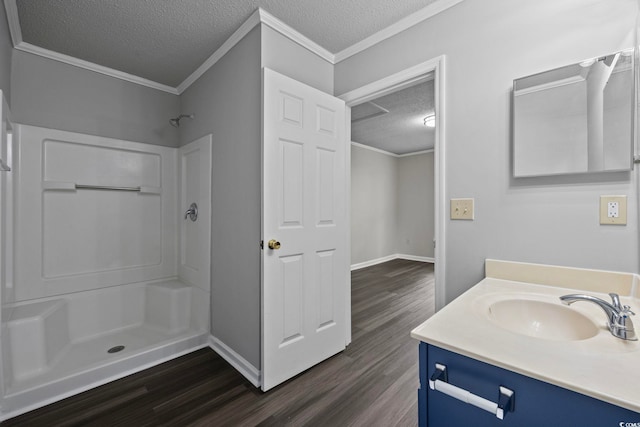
(439, 381)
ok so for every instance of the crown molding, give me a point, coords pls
(389, 153)
(13, 20)
(416, 153)
(60, 57)
(393, 29)
(16, 36)
(370, 148)
(260, 16)
(273, 22)
(238, 35)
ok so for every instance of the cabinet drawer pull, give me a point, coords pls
(439, 381)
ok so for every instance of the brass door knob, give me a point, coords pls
(273, 244)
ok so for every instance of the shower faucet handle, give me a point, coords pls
(192, 212)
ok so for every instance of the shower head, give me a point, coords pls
(176, 121)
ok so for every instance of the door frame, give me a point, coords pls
(424, 71)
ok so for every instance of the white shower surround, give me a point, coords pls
(70, 240)
(63, 311)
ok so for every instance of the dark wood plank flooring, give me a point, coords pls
(372, 383)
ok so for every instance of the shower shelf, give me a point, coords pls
(72, 186)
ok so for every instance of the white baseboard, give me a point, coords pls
(369, 263)
(240, 363)
(376, 261)
(417, 258)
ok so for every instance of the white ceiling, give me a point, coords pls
(402, 129)
(165, 41)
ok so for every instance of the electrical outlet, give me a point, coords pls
(462, 209)
(613, 210)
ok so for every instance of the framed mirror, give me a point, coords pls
(575, 119)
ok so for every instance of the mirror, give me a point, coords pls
(575, 119)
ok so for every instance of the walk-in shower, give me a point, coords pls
(104, 280)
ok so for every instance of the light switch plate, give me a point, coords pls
(462, 209)
(612, 214)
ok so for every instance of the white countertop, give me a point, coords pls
(603, 367)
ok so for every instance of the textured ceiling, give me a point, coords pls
(166, 40)
(402, 129)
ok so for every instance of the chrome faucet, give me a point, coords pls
(619, 322)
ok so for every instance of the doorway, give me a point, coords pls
(426, 71)
(392, 177)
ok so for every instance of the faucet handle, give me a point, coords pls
(615, 298)
(626, 310)
(623, 327)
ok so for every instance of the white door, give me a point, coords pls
(194, 186)
(304, 281)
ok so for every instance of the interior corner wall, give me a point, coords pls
(6, 47)
(287, 57)
(374, 213)
(56, 95)
(226, 102)
(416, 219)
(392, 205)
(488, 44)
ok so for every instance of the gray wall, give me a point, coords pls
(374, 183)
(416, 208)
(6, 47)
(392, 205)
(289, 58)
(226, 102)
(487, 44)
(55, 95)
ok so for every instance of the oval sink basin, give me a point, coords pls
(541, 319)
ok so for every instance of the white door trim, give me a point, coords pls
(347, 242)
(432, 68)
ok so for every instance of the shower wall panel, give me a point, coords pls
(6, 234)
(194, 186)
(121, 229)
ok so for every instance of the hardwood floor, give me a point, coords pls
(372, 383)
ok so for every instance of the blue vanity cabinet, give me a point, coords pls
(536, 403)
